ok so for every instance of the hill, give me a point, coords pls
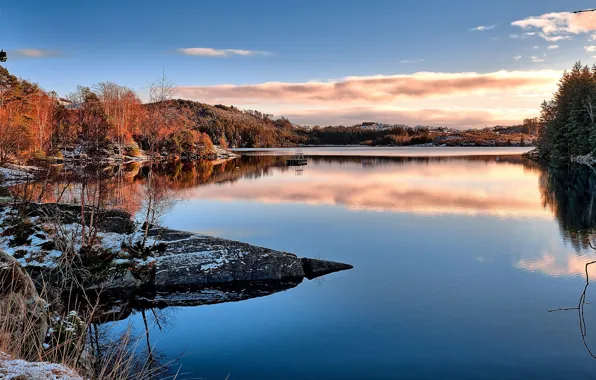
(254, 129)
(240, 128)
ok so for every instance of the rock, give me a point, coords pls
(204, 260)
(23, 370)
(23, 314)
(118, 281)
(116, 221)
(314, 268)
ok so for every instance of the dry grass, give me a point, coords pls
(71, 340)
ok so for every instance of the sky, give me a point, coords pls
(464, 63)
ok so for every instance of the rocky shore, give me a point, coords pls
(171, 261)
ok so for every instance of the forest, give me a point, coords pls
(568, 122)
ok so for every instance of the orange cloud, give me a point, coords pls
(377, 89)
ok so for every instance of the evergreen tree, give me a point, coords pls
(570, 117)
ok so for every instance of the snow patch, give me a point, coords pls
(15, 368)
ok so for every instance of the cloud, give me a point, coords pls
(453, 117)
(482, 28)
(412, 60)
(536, 59)
(514, 36)
(590, 49)
(552, 47)
(211, 52)
(35, 53)
(555, 38)
(557, 26)
(517, 57)
(377, 89)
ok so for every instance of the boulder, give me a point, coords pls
(314, 268)
(116, 221)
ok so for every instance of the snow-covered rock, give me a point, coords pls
(21, 369)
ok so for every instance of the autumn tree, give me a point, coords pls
(22, 114)
(123, 110)
(159, 116)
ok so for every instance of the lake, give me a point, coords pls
(458, 255)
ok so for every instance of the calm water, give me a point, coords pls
(457, 260)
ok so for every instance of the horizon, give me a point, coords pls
(467, 66)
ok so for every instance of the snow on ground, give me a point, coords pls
(32, 253)
(15, 174)
(20, 369)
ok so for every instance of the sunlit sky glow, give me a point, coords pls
(464, 63)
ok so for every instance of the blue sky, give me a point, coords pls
(62, 44)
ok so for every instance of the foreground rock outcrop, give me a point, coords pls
(172, 268)
(188, 259)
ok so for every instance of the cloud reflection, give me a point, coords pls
(449, 187)
(559, 265)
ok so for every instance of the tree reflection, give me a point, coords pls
(570, 193)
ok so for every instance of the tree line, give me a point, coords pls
(104, 119)
(568, 120)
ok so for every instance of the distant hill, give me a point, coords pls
(240, 128)
(254, 129)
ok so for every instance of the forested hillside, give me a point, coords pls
(240, 128)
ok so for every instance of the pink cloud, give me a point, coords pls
(446, 117)
(211, 52)
(375, 89)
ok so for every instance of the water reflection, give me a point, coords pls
(503, 186)
(570, 194)
(503, 228)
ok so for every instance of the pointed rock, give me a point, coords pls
(314, 268)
